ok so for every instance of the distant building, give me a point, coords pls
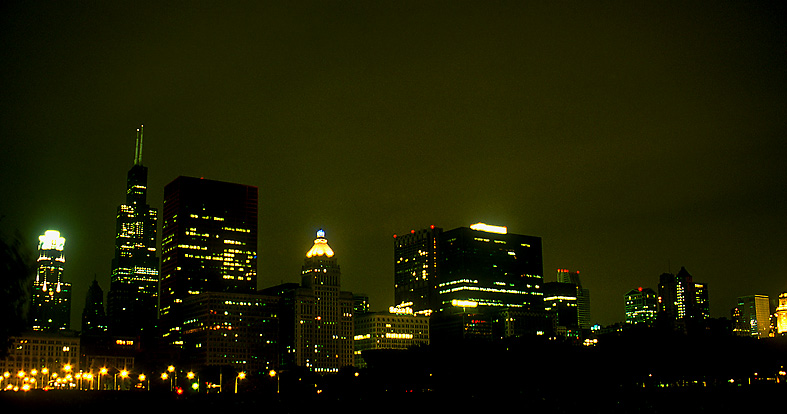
(752, 316)
(781, 315)
(132, 301)
(50, 308)
(94, 319)
(682, 302)
(388, 331)
(209, 244)
(641, 306)
(560, 301)
(46, 352)
(468, 275)
(235, 329)
(317, 316)
(583, 296)
(360, 304)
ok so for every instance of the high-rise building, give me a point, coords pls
(681, 300)
(583, 296)
(94, 320)
(752, 316)
(324, 313)
(560, 301)
(781, 314)
(235, 329)
(468, 275)
(208, 244)
(641, 306)
(416, 269)
(132, 301)
(50, 308)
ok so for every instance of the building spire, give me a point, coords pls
(138, 150)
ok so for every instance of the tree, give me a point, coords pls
(16, 273)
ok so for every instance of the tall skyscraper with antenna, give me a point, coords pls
(132, 301)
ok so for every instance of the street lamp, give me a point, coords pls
(241, 375)
(102, 371)
(273, 374)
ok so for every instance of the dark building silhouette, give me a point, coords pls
(94, 319)
(583, 296)
(209, 244)
(683, 303)
(50, 308)
(464, 277)
(133, 290)
(560, 301)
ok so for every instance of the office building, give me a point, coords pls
(209, 244)
(583, 296)
(233, 329)
(781, 315)
(560, 302)
(132, 301)
(416, 269)
(317, 316)
(682, 301)
(379, 330)
(752, 316)
(94, 320)
(641, 306)
(50, 308)
(42, 356)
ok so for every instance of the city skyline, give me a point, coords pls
(632, 140)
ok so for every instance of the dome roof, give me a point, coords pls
(320, 247)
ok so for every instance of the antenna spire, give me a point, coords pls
(138, 150)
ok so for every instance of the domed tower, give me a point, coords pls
(324, 328)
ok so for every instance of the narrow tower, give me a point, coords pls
(51, 305)
(133, 292)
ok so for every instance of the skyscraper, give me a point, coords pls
(133, 290)
(641, 306)
(51, 302)
(752, 316)
(681, 300)
(468, 275)
(209, 243)
(781, 314)
(94, 320)
(560, 301)
(583, 296)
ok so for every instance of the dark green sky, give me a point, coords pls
(633, 137)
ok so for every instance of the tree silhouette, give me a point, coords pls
(16, 273)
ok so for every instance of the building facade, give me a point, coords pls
(209, 244)
(781, 315)
(641, 306)
(682, 301)
(132, 301)
(560, 301)
(39, 355)
(416, 263)
(752, 316)
(50, 308)
(377, 330)
(583, 296)
(94, 319)
(235, 329)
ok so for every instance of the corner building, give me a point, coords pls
(209, 244)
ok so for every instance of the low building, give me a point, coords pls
(388, 331)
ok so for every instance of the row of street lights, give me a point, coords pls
(25, 381)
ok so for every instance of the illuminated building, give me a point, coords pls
(50, 308)
(415, 269)
(38, 350)
(583, 296)
(94, 321)
(752, 316)
(235, 329)
(781, 315)
(208, 244)
(467, 274)
(133, 289)
(681, 300)
(641, 306)
(560, 301)
(380, 330)
(317, 316)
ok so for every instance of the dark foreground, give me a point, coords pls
(696, 400)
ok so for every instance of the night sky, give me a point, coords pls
(633, 137)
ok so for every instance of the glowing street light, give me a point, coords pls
(274, 374)
(241, 375)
